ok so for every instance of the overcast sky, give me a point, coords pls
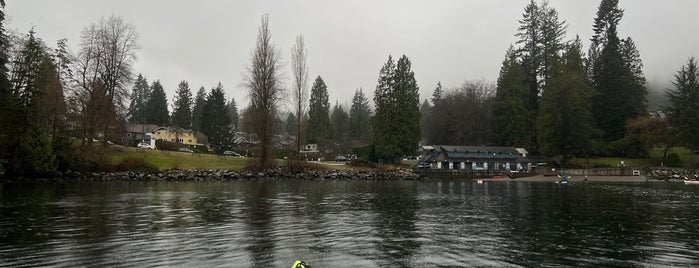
(207, 41)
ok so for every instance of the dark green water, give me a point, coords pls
(349, 224)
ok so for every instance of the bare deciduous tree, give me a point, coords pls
(300, 94)
(263, 81)
(103, 70)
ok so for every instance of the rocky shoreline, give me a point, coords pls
(230, 175)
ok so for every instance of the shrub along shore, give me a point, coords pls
(280, 173)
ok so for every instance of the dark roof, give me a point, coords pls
(138, 128)
(478, 152)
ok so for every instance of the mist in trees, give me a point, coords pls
(263, 81)
(462, 116)
(684, 105)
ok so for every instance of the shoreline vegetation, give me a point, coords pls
(132, 164)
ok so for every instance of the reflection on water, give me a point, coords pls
(341, 224)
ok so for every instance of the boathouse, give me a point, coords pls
(474, 159)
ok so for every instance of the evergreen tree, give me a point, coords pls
(540, 37)
(564, 124)
(290, 126)
(233, 114)
(512, 118)
(319, 113)
(446, 124)
(199, 102)
(425, 115)
(25, 73)
(437, 93)
(339, 120)
(156, 106)
(529, 34)
(139, 97)
(7, 112)
(360, 118)
(608, 15)
(397, 120)
(215, 126)
(683, 113)
(620, 92)
(182, 106)
(51, 106)
(33, 72)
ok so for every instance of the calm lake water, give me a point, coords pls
(349, 224)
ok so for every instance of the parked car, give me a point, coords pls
(144, 145)
(231, 153)
(341, 158)
(411, 157)
(186, 150)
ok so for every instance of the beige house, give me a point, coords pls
(179, 135)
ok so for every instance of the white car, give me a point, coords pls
(144, 145)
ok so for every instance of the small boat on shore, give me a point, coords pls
(562, 180)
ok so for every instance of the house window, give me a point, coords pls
(190, 141)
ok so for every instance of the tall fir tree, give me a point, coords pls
(25, 73)
(620, 93)
(156, 107)
(33, 72)
(564, 124)
(683, 111)
(319, 113)
(215, 124)
(182, 106)
(233, 114)
(437, 94)
(339, 120)
(529, 39)
(360, 118)
(397, 119)
(539, 43)
(385, 105)
(199, 102)
(139, 97)
(513, 121)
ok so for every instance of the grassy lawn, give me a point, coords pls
(179, 160)
(655, 159)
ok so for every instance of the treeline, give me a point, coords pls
(558, 101)
(551, 98)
